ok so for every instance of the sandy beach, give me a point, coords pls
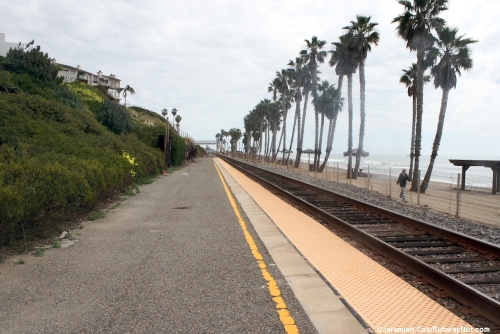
(475, 204)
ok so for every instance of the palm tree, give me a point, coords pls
(344, 65)
(297, 72)
(331, 105)
(409, 79)
(218, 137)
(247, 123)
(178, 120)
(347, 65)
(415, 26)
(260, 111)
(282, 84)
(235, 135)
(273, 116)
(125, 90)
(454, 53)
(223, 134)
(306, 88)
(324, 103)
(312, 55)
(363, 35)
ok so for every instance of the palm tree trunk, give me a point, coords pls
(261, 128)
(349, 139)
(296, 119)
(279, 144)
(362, 84)
(268, 140)
(297, 116)
(420, 111)
(330, 126)
(333, 124)
(437, 140)
(283, 132)
(247, 144)
(413, 120)
(316, 148)
(273, 144)
(316, 115)
(300, 143)
(320, 139)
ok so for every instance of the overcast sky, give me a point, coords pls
(213, 60)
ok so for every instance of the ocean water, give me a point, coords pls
(443, 171)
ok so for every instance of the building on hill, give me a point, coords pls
(110, 83)
(5, 46)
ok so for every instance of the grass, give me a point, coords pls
(114, 206)
(20, 261)
(68, 236)
(38, 252)
(56, 243)
(96, 215)
(78, 234)
(172, 169)
(129, 192)
(144, 180)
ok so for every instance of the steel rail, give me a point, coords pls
(474, 300)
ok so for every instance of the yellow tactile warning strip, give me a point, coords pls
(285, 317)
(383, 300)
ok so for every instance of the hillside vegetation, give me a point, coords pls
(61, 147)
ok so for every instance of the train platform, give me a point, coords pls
(382, 300)
(207, 250)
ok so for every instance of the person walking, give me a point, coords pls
(403, 177)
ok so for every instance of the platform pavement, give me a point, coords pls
(324, 306)
(171, 259)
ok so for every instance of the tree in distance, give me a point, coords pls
(127, 89)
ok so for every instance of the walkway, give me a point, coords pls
(171, 259)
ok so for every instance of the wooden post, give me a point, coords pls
(418, 187)
(464, 169)
(498, 179)
(494, 186)
(390, 183)
(337, 172)
(458, 196)
(368, 179)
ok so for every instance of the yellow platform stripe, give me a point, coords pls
(284, 316)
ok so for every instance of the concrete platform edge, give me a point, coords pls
(325, 309)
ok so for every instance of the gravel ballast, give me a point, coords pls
(483, 232)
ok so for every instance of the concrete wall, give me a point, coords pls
(4, 46)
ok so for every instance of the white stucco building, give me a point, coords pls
(110, 82)
(5, 46)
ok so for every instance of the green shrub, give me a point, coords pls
(115, 117)
(33, 86)
(54, 157)
(90, 97)
(34, 62)
(200, 151)
(178, 149)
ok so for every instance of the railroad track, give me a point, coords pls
(456, 264)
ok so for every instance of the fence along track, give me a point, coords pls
(413, 244)
(476, 203)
